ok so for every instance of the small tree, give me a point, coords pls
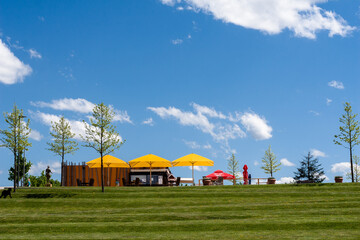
(101, 135)
(349, 133)
(270, 164)
(62, 143)
(16, 137)
(233, 167)
(310, 169)
(23, 168)
(356, 160)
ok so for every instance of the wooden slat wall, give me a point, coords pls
(74, 171)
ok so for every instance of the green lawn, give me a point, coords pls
(325, 211)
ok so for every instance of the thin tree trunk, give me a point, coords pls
(15, 169)
(102, 173)
(351, 163)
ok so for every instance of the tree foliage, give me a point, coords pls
(233, 167)
(40, 181)
(310, 169)
(16, 137)
(349, 133)
(21, 173)
(101, 135)
(62, 143)
(270, 164)
(356, 168)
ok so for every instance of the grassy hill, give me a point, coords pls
(324, 211)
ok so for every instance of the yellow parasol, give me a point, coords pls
(149, 161)
(192, 160)
(108, 161)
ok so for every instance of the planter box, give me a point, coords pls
(338, 180)
(271, 181)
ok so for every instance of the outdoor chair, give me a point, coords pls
(178, 181)
(137, 181)
(166, 180)
(78, 181)
(91, 183)
(124, 182)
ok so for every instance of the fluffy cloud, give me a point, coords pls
(317, 153)
(195, 145)
(257, 126)
(37, 168)
(285, 180)
(328, 101)
(303, 17)
(80, 105)
(219, 131)
(336, 84)
(286, 162)
(177, 41)
(200, 168)
(342, 167)
(256, 163)
(210, 112)
(77, 127)
(34, 54)
(77, 105)
(1, 172)
(12, 70)
(35, 135)
(218, 125)
(149, 122)
(192, 144)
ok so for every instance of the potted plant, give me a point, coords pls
(338, 179)
(271, 180)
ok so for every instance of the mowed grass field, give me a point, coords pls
(323, 211)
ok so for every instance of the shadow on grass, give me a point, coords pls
(49, 195)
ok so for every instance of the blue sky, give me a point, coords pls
(202, 76)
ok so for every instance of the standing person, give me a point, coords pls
(29, 182)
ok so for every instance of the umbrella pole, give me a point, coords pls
(108, 176)
(193, 174)
(150, 174)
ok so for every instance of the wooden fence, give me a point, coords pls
(73, 171)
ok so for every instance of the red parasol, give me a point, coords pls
(245, 174)
(219, 173)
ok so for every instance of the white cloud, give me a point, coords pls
(34, 54)
(199, 168)
(257, 126)
(342, 167)
(314, 113)
(77, 105)
(192, 144)
(219, 131)
(207, 146)
(12, 70)
(41, 18)
(149, 122)
(219, 126)
(80, 105)
(210, 112)
(37, 168)
(169, 2)
(286, 162)
(1, 172)
(256, 163)
(35, 135)
(317, 153)
(285, 180)
(305, 18)
(177, 41)
(77, 127)
(328, 101)
(336, 84)
(179, 8)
